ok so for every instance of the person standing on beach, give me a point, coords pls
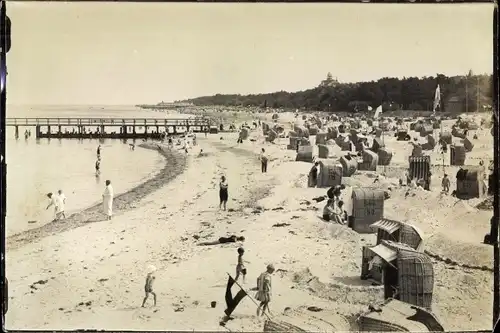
(223, 192)
(264, 293)
(445, 183)
(99, 151)
(62, 202)
(148, 286)
(313, 179)
(263, 160)
(107, 200)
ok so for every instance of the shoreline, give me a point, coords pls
(175, 164)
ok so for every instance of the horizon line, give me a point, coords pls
(247, 93)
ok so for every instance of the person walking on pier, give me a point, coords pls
(107, 200)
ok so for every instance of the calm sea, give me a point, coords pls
(36, 167)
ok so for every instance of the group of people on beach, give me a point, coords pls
(58, 201)
(108, 195)
(264, 289)
(334, 209)
(98, 162)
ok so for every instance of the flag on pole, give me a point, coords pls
(437, 99)
(231, 302)
(378, 111)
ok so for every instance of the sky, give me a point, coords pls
(132, 53)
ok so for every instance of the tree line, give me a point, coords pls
(468, 92)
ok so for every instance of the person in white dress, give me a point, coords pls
(62, 202)
(54, 202)
(107, 200)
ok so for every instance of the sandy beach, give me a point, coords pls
(80, 274)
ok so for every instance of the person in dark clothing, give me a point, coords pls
(427, 184)
(225, 240)
(314, 174)
(492, 237)
(223, 192)
(263, 160)
(335, 191)
(148, 288)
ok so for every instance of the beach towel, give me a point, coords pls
(107, 200)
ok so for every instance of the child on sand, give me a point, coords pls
(240, 267)
(445, 183)
(148, 287)
(264, 293)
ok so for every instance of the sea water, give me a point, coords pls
(37, 167)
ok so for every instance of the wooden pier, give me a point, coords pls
(128, 128)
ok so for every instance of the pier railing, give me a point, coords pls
(104, 122)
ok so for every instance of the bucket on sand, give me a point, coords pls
(213, 304)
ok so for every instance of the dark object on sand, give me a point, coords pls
(314, 309)
(213, 304)
(319, 199)
(277, 225)
(224, 240)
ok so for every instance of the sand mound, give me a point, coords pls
(455, 251)
(338, 292)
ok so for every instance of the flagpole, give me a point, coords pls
(251, 298)
(477, 94)
(466, 94)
